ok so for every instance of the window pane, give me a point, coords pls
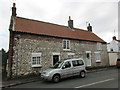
(97, 57)
(64, 44)
(68, 45)
(99, 46)
(80, 62)
(33, 60)
(38, 60)
(88, 55)
(74, 63)
(67, 64)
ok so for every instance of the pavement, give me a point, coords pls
(18, 81)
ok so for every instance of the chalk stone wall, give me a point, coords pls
(26, 44)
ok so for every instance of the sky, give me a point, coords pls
(101, 14)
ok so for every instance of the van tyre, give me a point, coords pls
(82, 74)
(56, 78)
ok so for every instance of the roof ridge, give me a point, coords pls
(50, 23)
(40, 21)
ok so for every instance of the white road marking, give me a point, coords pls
(95, 83)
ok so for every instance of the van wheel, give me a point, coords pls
(56, 78)
(82, 74)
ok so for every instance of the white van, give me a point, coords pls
(64, 69)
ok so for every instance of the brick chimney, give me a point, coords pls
(114, 38)
(13, 17)
(70, 23)
(89, 28)
(14, 10)
(11, 42)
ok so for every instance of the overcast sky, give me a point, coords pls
(102, 14)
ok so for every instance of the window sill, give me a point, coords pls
(36, 66)
(66, 49)
(98, 61)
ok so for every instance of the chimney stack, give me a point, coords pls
(89, 28)
(14, 10)
(70, 23)
(114, 38)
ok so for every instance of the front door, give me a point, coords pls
(55, 59)
(88, 58)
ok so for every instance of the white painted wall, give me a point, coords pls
(113, 45)
(112, 58)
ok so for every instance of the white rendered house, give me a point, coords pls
(114, 45)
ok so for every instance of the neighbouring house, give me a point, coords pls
(114, 45)
(37, 45)
(113, 50)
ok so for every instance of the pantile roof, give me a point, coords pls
(49, 29)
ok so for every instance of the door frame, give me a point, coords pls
(55, 53)
(90, 58)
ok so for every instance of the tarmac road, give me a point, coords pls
(101, 79)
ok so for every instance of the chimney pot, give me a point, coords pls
(70, 23)
(89, 28)
(114, 38)
(69, 18)
(14, 10)
(14, 4)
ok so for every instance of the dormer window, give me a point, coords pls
(66, 44)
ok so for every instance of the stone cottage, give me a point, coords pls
(36, 45)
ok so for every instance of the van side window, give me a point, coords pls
(80, 62)
(67, 64)
(77, 63)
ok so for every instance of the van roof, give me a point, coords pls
(73, 59)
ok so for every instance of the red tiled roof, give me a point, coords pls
(44, 28)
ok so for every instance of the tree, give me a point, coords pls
(4, 59)
(4, 63)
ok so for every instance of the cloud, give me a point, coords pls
(5, 42)
(101, 14)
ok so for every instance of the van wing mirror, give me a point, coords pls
(63, 67)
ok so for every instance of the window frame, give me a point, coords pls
(36, 62)
(97, 58)
(66, 44)
(99, 46)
